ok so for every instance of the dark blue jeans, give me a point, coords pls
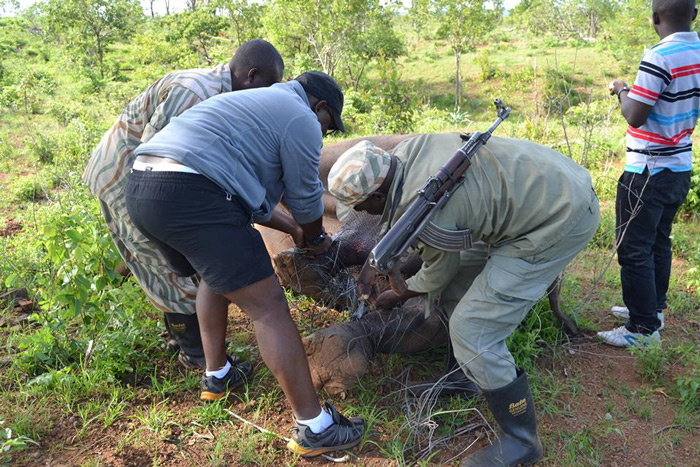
(645, 208)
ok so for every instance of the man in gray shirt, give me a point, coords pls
(195, 189)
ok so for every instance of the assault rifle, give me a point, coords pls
(431, 198)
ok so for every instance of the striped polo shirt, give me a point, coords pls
(669, 80)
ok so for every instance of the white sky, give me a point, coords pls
(179, 5)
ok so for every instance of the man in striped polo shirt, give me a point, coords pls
(255, 64)
(662, 110)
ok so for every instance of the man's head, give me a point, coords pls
(325, 99)
(256, 64)
(360, 179)
(673, 15)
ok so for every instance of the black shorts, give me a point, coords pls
(198, 228)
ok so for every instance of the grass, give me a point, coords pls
(133, 395)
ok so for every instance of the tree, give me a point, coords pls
(462, 23)
(580, 19)
(92, 25)
(245, 18)
(335, 36)
(627, 33)
(376, 41)
(419, 15)
(197, 30)
(9, 5)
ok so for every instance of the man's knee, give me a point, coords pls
(630, 255)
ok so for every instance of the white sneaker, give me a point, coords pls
(620, 311)
(624, 313)
(621, 337)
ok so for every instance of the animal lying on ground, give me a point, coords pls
(340, 354)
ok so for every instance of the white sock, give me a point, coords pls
(220, 373)
(318, 423)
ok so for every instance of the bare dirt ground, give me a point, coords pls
(612, 414)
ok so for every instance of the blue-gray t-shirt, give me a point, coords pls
(261, 145)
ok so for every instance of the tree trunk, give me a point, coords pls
(100, 54)
(153, 14)
(167, 7)
(458, 84)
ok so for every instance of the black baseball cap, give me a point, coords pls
(323, 87)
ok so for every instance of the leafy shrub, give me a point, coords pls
(394, 110)
(538, 331)
(599, 112)
(688, 387)
(692, 201)
(30, 189)
(64, 112)
(83, 300)
(389, 108)
(44, 147)
(487, 70)
(559, 91)
(652, 360)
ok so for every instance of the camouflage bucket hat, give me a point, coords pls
(357, 173)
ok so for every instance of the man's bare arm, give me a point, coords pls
(635, 112)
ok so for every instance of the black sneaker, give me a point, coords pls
(198, 362)
(214, 388)
(344, 433)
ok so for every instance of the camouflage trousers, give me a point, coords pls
(169, 293)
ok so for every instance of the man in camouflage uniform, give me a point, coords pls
(530, 211)
(255, 64)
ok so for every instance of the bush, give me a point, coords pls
(84, 302)
(692, 201)
(487, 70)
(559, 91)
(30, 189)
(688, 387)
(652, 360)
(44, 147)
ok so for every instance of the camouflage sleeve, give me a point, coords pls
(177, 100)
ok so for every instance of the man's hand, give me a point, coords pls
(313, 251)
(387, 300)
(635, 112)
(365, 283)
(298, 236)
(615, 86)
(390, 299)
